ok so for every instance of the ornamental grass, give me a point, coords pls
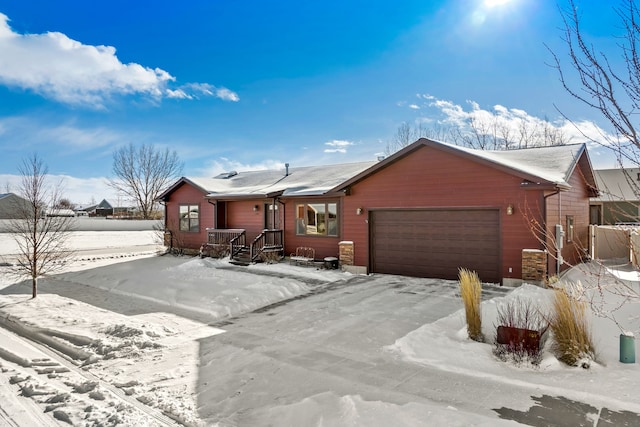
(573, 343)
(471, 293)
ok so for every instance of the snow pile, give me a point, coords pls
(444, 344)
(119, 363)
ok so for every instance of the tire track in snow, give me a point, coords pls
(72, 365)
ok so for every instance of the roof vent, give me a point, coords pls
(286, 169)
(227, 175)
(380, 158)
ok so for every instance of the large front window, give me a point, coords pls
(317, 219)
(189, 218)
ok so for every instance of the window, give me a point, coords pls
(569, 231)
(189, 218)
(317, 219)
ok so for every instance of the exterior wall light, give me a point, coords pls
(510, 210)
(256, 208)
(359, 211)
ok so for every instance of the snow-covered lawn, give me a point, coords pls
(128, 345)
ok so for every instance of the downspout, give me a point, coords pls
(166, 229)
(546, 226)
(284, 221)
(559, 245)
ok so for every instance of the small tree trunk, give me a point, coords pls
(34, 287)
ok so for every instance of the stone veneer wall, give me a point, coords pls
(534, 266)
(346, 253)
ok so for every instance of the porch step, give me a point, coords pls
(243, 258)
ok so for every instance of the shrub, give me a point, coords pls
(524, 330)
(573, 344)
(471, 293)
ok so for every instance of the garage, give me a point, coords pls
(436, 242)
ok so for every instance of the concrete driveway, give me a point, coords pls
(332, 341)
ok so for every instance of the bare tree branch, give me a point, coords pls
(143, 173)
(41, 238)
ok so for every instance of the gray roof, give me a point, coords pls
(301, 181)
(618, 184)
(546, 165)
(553, 164)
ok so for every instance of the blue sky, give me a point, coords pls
(253, 84)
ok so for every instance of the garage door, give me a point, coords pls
(436, 243)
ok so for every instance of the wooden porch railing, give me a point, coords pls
(237, 244)
(222, 236)
(233, 239)
(267, 241)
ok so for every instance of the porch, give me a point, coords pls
(233, 242)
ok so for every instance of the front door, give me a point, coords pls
(271, 216)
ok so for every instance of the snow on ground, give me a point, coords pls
(444, 344)
(137, 364)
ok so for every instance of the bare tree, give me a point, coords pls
(143, 173)
(65, 204)
(609, 87)
(483, 133)
(42, 239)
(407, 134)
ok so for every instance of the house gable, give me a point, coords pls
(527, 164)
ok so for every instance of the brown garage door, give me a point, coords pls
(436, 242)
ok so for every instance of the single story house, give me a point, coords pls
(106, 209)
(427, 210)
(11, 206)
(619, 199)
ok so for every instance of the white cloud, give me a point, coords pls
(337, 146)
(57, 67)
(512, 120)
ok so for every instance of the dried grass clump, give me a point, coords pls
(573, 344)
(471, 293)
(522, 314)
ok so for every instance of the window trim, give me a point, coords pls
(189, 208)
(326, 204)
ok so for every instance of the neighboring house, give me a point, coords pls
(619, 199)
(10, 205)
(425, 211)
(104, 208)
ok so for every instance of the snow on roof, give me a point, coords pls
(618, 184)
(554, 164)
(301, 181)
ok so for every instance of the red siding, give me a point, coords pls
(241, 214)
(433, 178)
(575, 202)
(188, 195)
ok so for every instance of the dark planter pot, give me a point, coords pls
(526, 339)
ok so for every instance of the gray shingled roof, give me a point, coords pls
(549, 164)
(301, 181)
(618, 184)
(553, 164)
